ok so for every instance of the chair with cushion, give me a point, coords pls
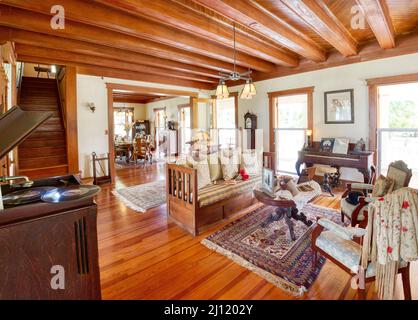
(356, 198)
(342, 246)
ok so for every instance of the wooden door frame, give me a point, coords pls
(138, 89)
(272, 113)
(373, 85)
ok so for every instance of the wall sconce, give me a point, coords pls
(91, 106)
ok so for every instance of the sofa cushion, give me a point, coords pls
(230, 161)
(215, 168)
(218, 192)
(203, 173)
(252, 162)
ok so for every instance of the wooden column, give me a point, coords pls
(70, 119)
(111, 132)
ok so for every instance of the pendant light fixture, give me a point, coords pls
(249, 88)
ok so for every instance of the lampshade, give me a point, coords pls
(309, 132)
(222, 90)
(249, 90)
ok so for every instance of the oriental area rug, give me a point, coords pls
(144, 196)
(269, 251)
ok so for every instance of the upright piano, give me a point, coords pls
(47, 250)
(360, 160)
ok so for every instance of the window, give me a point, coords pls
(397, 133)
(160, 118)
(185, 126)
(161, 135)
(291, 117)
(226, 121)
(123, 119)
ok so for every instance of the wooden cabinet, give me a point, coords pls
(32, 247)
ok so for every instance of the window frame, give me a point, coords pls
(215, 114)
(374, 112)
(273, 116)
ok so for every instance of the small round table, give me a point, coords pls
(284, 209)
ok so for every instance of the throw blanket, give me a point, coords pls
(392, 236)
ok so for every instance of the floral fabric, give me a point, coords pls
(393, 226)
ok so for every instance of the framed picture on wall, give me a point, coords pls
(339, 106)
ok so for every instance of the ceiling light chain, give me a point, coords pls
(249, 88)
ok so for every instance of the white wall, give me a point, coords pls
(351, 76)
(92, 127)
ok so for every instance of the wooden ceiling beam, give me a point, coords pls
(181, 17)
(254, 16)
(36, 22)
(378, 17)
(26, 50)
(406, 44)
(81, 47)
(321, 20)
(107, 18)
(99, 71)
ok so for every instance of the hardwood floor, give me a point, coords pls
(144, 256)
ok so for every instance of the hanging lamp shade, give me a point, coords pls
(222, 90)
(249, 90)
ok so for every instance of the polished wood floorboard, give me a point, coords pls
(147, 256)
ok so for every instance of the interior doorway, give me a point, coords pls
(136, 129)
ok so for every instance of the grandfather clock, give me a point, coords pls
(250, 121)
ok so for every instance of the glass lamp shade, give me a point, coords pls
(248, 91)
(222, 91)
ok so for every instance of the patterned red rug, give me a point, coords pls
(269, 251)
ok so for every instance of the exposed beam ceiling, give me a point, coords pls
(104, 17)
(378, 17)
(179, 16)
(188, 42)
(251, 14)
(81, 47)
(317, 15)
(26, 50)
(33, 21)
(109, 72)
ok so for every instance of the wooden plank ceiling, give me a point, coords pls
(136, 97)
(188, 42)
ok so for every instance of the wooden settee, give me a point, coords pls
(185, 207)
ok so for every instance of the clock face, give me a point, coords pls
(248, 123)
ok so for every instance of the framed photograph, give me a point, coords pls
(327, 144)
(268, 181)
(339, 106)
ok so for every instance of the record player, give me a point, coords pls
(45, 223)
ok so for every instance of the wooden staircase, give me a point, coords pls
(44, 152)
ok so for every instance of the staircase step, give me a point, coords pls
(39, 101)
(38, 80)
(33, 143)
(40, 152)
(50, 128)
(39, 173)
(42, 135)
(41, 162)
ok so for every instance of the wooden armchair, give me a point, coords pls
(357, 214)
(343, 246)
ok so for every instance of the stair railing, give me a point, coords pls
(59, 78)
(19, 76)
